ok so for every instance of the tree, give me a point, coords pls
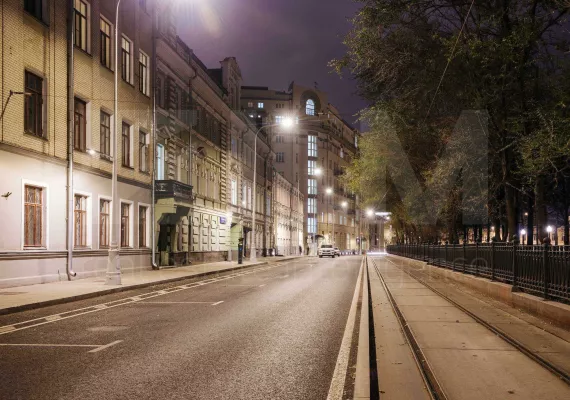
(506, 57)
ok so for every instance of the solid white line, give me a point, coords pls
(337, 383)
(7, 328)
(219, 302)
(105, 346)
(362, 381)
(262, 285)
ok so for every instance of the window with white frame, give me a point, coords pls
(82, 28)
(104, 223)
(280, 157)
(80, 222)
(312, 186)
(249, 204)
(312, 145)
(160, 162)
(244, 195)
(279, 119)
(127, 59)
(34, 216)
(234, 192)
(144, 73)
(279, 139)
(311, 205)
(260, 105)
(143, 151)
(250, 104)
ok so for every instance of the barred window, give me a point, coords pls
(104, 221)
(125, 221)
(80, 221)
(33, 216)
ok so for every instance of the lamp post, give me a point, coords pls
(549, 230)
(287, 122)
(523, 234)
(113, 262)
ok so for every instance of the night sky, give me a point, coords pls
(275, 42)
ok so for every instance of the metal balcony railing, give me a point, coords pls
(173, 189)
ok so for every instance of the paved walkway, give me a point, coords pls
(33, 296)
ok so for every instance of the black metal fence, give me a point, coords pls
(542, 270)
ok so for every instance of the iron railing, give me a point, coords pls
(542, 269)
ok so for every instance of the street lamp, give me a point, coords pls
(318, 171)
(523, 234)
(287, 123)
(549, 230)
(113, 262)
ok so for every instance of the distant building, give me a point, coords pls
(288, 216)
(312, 154)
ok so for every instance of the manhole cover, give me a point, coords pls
(11, 293)
(107, 328)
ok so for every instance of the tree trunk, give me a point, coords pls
(540, 204)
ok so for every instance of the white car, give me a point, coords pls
(337, 251)
(327, 250)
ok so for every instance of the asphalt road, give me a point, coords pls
(271, 334)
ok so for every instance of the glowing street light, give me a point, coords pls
(523, 232)
(329, 191)
(287, 122)
(318, 171)
(344, 204)
(369, 212)
(549, 229)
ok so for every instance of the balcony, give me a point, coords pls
(173, 189)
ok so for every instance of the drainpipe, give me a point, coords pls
(70, 111)
(154, 135)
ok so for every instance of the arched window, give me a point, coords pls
(310, 108)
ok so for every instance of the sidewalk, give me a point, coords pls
(22, 298)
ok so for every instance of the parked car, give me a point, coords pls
(337, 251)
(327, 250)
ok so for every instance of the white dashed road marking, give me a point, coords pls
(219, 302)
(95, 347)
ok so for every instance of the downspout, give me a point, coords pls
(154, 135)
(70, 111)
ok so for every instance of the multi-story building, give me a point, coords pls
(288, 216)
(40, 134)
(314, 153)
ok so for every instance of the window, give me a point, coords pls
(260, 105)
(104, 222)
(34, 7)
(310, 107)
(312, 166)
(80, 221)
(125, 221)
(312, 145)
(126, 63)
(33, 105)
(159, 91)
(143, 74)
(312, 206)
(81, 25)
(33, 216)
(234, 194)
(105, 133)
(234, 147)
(250, 104)
(143, 152)
(105, 43)
(279, 139)
(244, 195)
(80, 125)
(126, 144)
(312, 186)
(280, 157)
(296, 158)
(160, 162)
(312, 225)
(143, 210)
(279, 119)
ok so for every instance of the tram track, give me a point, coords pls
(423, 364)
